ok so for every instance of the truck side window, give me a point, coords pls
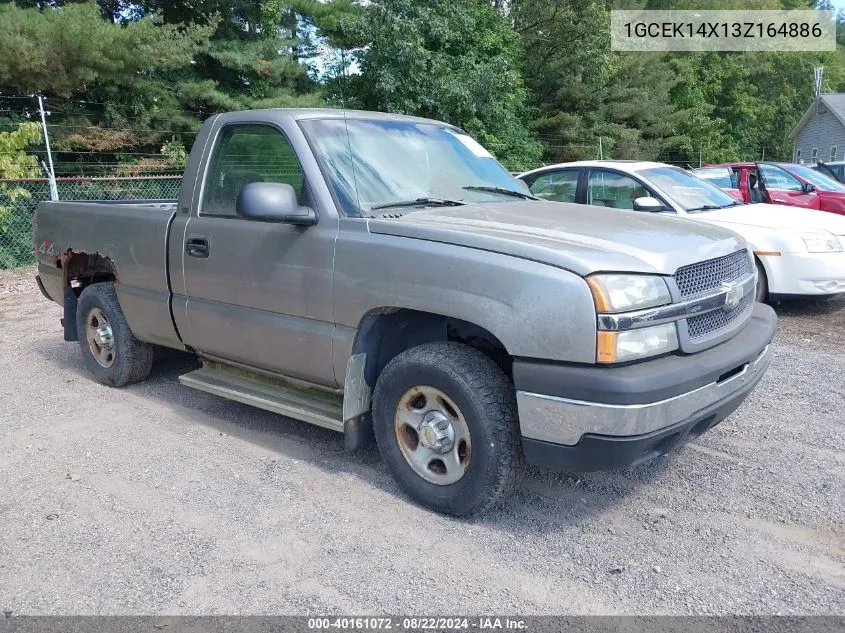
(245, 154)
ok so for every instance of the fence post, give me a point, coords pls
(54, 191)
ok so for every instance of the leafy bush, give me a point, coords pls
(15, 228)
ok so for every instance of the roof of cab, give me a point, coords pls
(337, 113)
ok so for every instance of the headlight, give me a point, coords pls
(622, 293)
(821, 242)
(618, 347)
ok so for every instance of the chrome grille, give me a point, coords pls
(704, 277)
(702, 324)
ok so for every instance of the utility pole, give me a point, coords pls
(51, 176)
(818, 75)
(601, 153)
(699, 156)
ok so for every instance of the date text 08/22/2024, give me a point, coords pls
(415, 623)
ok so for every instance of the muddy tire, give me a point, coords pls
(112, 353)
(446, 424)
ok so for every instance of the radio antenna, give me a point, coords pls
(346, 125)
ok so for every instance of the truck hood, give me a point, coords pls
(579, 238)
(775, 216)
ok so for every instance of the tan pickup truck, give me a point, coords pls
(385, 276)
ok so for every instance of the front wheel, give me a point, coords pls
(112, 353)
(446, 424)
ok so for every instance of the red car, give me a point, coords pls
(777, 183)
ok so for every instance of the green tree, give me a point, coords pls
(67, 52)
(251, 58)
(458, 62)
(745, 104)
(122, 90)
(106, 84)
(582, 91)
(15, 240)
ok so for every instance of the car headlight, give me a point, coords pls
(821, 242)
(618, 347)
(622, 293)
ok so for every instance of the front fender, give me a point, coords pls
(535, 310)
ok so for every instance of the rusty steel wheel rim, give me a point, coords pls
(433, 435)
(100, 337)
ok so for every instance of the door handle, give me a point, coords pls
(197, 247)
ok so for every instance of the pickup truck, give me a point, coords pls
(385, 277)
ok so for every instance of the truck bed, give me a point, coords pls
(132, 235)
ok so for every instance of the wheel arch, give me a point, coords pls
(80, 270)
(386, 332)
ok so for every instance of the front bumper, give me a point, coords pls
(599, 418)
(806, 274)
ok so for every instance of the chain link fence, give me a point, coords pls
(18, 199)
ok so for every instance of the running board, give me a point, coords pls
(309, 405)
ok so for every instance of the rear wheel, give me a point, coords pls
(446, 424)
(112, 353)
(762, 292)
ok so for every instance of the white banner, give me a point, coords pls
(745, 30)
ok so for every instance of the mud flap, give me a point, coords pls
(357, 418)
(358, 432)
(69, 319)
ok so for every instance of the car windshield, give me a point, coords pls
(687, 191)
(821, 181)
(374, 165)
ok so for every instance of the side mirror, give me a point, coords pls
(647, 203)
(273, 202)
(809, 187)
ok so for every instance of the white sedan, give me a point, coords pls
(799, 252)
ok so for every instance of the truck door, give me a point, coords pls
(258, 293)
(781, 187)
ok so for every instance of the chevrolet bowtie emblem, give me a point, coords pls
(733, 294)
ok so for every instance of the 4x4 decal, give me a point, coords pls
(48, 247)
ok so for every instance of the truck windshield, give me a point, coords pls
(373, 165)
(689, 192)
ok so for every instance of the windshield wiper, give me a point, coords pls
(713, 207)
(706, 207)
(502, 190)
(418, 202)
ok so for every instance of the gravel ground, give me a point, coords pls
(157, 499)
